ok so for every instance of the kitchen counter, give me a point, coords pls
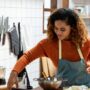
(4, 87)
(38, 88)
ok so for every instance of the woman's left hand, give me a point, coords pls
(88, 66)
(88, 70)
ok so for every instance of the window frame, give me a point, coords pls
(53, 6)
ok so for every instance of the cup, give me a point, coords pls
(2, 72)
(2, 75)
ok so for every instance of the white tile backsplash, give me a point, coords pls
(29, 14)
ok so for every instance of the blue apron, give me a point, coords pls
(74, 72)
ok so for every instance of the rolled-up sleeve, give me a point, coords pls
(29, 56)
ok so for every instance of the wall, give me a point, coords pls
(29, 14)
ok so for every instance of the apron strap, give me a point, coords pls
(80, 53)
(60, 53)
(60, 49)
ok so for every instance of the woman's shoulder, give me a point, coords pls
(88, 40)
(87, 43)
(43, 41)
(46, 41)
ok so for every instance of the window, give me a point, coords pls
(48, 7)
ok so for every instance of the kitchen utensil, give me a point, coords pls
(2, 75)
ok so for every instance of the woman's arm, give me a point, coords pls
(13, 80)
(25, 59)
(29, 56)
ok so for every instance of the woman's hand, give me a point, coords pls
(88, 67)
(13, 80)
(88, 70)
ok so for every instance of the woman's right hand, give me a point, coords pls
(13, 80)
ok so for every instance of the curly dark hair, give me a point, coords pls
(78, 34)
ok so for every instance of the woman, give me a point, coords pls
(67, 35)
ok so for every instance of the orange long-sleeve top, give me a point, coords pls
(51, 49)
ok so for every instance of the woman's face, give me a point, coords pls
(62, 30)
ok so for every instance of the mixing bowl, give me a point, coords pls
(49, 83)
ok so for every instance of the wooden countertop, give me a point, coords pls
(4, 87)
